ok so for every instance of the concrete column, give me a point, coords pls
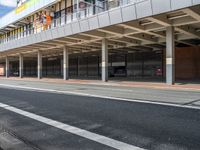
(39, 65)
(104, 63)
(21, 66)
(7, 67)
(170, 56)
(65, 63)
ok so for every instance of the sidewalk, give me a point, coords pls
(187, 94)
(154, 85)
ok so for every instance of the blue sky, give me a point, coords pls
(6, 6)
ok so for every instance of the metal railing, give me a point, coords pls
(81, 13)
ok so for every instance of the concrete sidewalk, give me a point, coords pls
(136, 91)
(155, 85)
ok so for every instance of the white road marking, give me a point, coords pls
(74, 130)
(97, 96)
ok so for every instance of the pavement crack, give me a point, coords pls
(10, 136)
(191, 102)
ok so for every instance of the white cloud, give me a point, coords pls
(9, 3)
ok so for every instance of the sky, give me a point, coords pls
(6, 6)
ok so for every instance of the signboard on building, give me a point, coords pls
(24, 4)
(20, 2)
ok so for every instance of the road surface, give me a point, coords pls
(147, 126)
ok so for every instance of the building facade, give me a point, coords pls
(151, 40)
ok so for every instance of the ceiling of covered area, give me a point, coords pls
(144, 34)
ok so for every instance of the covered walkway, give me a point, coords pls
(161, 48)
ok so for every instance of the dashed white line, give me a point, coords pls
(74, 130)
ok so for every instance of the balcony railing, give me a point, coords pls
(80, 13)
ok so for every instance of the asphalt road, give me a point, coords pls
(148, 126)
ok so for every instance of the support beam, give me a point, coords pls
(39, 65)
(21, 66)
(170, 56)
(162, 20)
(104, 62)
(142, 29)
(126, 40)
(189, 30)
(96, 34)
(116, 30)
(65, 63)
(194, 13)
(143, 37)
(7, 67)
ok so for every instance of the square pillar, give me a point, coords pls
(170, 56)
(65, 63)
(104, 63)
(21, 66)
(39, 65)
(7, 67)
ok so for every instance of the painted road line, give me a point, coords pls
(98, 96)
(74, 130)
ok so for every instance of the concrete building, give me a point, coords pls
(151, 40)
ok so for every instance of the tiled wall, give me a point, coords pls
(187, 63)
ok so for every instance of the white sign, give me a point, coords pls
(20, 2)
